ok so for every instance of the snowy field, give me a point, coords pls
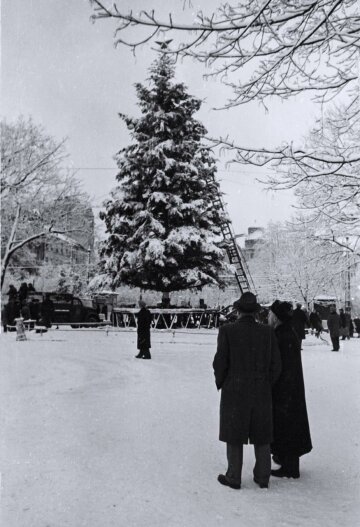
(93, 437)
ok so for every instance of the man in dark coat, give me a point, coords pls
(12, 292)
(47, 311)
(23, 292)
(300, 321)
(143, 332)
(333, 324)
(343, 329)
(246, 364)
(291, 425)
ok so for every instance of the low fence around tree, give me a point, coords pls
(168, 318)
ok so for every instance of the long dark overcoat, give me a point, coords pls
(291, 425)
(246, 364)
(333, 323)
(299, 322)
(143, 329)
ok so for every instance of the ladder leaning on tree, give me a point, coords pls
(236, 258)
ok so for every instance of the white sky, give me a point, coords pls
(64, 71)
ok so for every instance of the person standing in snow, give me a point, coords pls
(300, 321)
(291, 425)
(4, 317)
(315, 323)
(12, 292)
(343, 328)
(143, 332)
(23, 292)
(47, 311)
(333, 324)
(246, 364)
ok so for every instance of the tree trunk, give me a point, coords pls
(165, 301)
(10, 243)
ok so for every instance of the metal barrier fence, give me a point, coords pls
(169, 318)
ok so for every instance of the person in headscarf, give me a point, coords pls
(291, 425)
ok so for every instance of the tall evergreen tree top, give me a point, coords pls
(162, 223)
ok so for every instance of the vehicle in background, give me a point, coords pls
(68, 309)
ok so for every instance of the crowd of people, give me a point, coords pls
(339, 325)
(21, 303)
(258, 368)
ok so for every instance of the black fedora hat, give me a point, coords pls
(247, 303)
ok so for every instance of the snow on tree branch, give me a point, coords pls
(38, 199)
(290, 46)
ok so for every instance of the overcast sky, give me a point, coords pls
(64, 71)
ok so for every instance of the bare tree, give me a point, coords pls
(324, 175)
(291, 264)
(279, 48)
(37, 199)
(282, 47)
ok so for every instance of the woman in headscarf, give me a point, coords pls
(290, 420)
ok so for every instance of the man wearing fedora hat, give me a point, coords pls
(246, 364)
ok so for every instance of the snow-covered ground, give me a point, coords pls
(93, 437)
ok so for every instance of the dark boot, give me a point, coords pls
(289, 468)
(146, 354)
(139, 355)
(225, 481)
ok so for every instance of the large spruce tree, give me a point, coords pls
(163, 227)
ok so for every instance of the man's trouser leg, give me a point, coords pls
(263, 463)
(335, 343)
(235, 460)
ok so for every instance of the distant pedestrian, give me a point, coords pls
(351, 328)
(345, 319)
(23, 292)
(291, 426)
(357, 325)
(300, 321)
(34, 306)
(246, 364)
(344, 330)
(4, 317)
(25, 310)
(12, 292)
(316, 323)
(333, 323)
(13, 311)
(348, 323)
(47, 311)
(143, 332)
(30, 288)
